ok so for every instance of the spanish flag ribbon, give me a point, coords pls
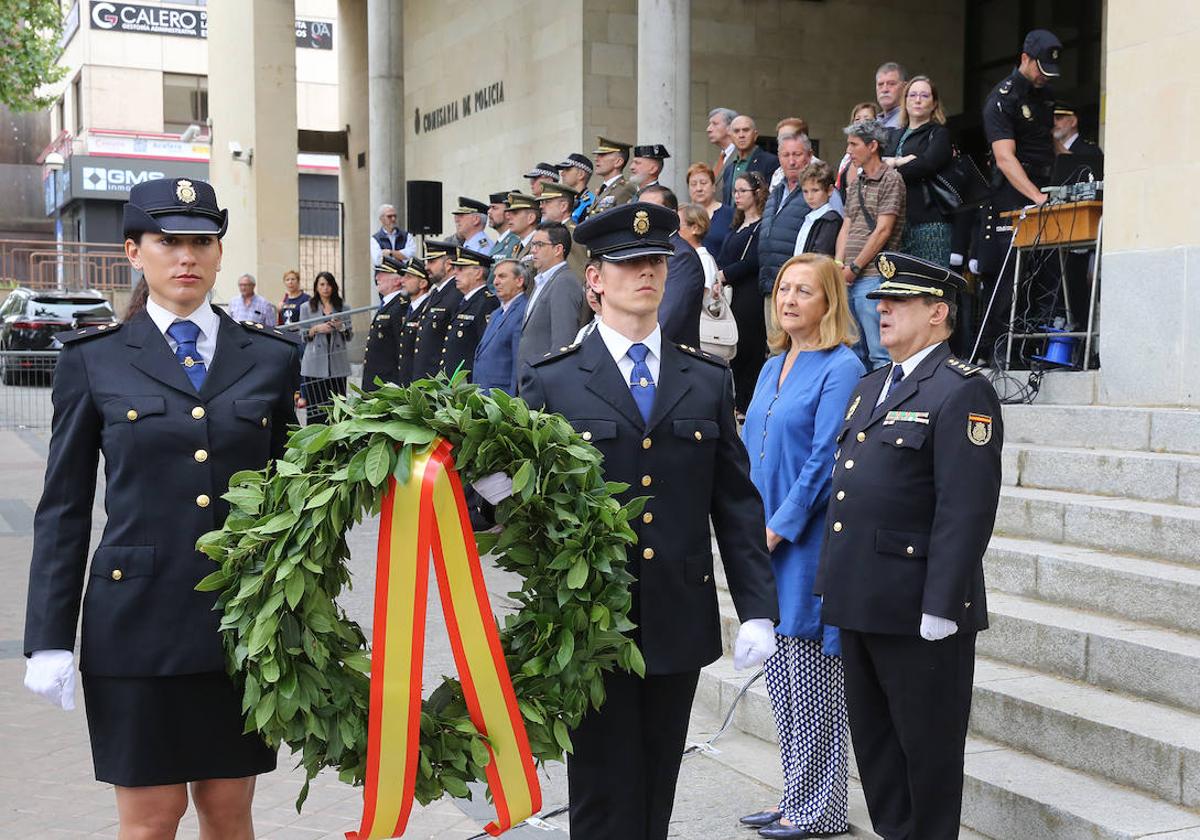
(428, 514)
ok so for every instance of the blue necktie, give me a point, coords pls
(185, 334)
(897, 375)
(641, 383)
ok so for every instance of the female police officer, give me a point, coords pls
(177, 399)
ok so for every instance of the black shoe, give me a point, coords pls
(761, 818)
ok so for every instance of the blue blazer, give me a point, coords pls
(791, 464)
(496, 355)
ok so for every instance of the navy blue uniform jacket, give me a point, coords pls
(382, 355)
(168, 455)
(913, 501)
(691, 461)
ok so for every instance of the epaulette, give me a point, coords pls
(87, 332)
(552, 355)
(962, 368)
(259, 329)
(701, 354)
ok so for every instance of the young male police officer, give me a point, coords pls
(662, 416)
(915, 487)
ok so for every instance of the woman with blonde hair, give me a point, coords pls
(791, 432)
(702, 190)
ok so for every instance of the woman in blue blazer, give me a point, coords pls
(177, 399)
(791, 426)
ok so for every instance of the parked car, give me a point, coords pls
(29, 319)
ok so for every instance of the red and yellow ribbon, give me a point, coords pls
(428, 514)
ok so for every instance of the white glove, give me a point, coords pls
(956, 260)
(973, 266)
(934, 627)
(51, 673)
(495, 488)
(755, 642)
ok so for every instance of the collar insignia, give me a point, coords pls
(853, 406)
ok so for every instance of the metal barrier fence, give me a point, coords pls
(26, 377)
(37, 263)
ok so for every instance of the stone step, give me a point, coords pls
(1104, 427)
(1118, 654)
(1149, 746)
(1149, 591)
(1148, 476)
(1007, 793)
(1148, 529)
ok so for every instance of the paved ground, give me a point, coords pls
(46, 783)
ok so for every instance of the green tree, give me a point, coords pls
(29, 33)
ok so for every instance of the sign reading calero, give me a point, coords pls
(150, 20)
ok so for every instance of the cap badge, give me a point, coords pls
(979, 429)
(185, 192)
(641, 223)
(887, 268)
(1054, 54)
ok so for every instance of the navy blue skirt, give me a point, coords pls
(170, 730)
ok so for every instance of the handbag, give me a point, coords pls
(959, 186)
(718, 329)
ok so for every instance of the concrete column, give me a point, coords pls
(252, 104)
(664, 83)
(353, 181)
(385, 79)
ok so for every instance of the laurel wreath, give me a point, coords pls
(303, 666)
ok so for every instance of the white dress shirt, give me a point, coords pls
(618, 346)
(417, 301)
(807, 225)
(909, 365)
(388, 298)
(204, 317)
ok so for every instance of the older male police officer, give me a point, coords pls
(662, 416)
(915, 488)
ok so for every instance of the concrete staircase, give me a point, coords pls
(1086, 714)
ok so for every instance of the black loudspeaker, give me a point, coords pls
(424, 207)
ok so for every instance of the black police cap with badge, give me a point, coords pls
(905, 276)
(578, 161)
(632, 230)
(543, 170)
(389, 265)
(416, 268)
(435, 248)
(468, 205)
(176, 206)
(655, 151)
(467, 256)
(499, 197)
(1043, 46)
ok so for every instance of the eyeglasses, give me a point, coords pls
(741, 190)
(535, 244)
(389, 215)
(919, 94)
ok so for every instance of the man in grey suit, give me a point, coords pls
(556, 307)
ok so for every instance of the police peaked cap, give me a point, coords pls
(435, 248)
(543, 170)
(906, 276)
(657, 151)
(468, 205)
(389, 265)
(468, 256)
(174, 205)
(632, 230)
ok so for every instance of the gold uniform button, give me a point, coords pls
(202, 500)
(900, 441)
(648, 554)
(837, 526)
(116, 574)
(850, 464)
(698, 436)
(198, 412)
(201, 456)
(706, 578)
(841, 495)
(909, 550)
(647, 443)
(646, 480)
(647, 518)
(587, 435)
(860, 437)
(132, 415)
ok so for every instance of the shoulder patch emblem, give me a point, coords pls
(979, 429)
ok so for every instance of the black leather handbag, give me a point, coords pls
(959, 186)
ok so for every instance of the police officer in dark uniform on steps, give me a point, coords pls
(470, 317)
(177, 399)
(381, 358)
(1018, 121)
(415, 279)
(661, 414)
(916, 482)
(435, 318)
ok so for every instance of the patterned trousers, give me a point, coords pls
(807, 693)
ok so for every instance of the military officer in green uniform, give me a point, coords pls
(916, 483)
(615, 189)
(508, 242)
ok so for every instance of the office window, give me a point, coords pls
(77, 104)
(185, 101)
(60, 115)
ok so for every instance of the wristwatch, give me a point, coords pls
(856, 269)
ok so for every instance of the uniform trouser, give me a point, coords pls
(909, 702)
(626, 758)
